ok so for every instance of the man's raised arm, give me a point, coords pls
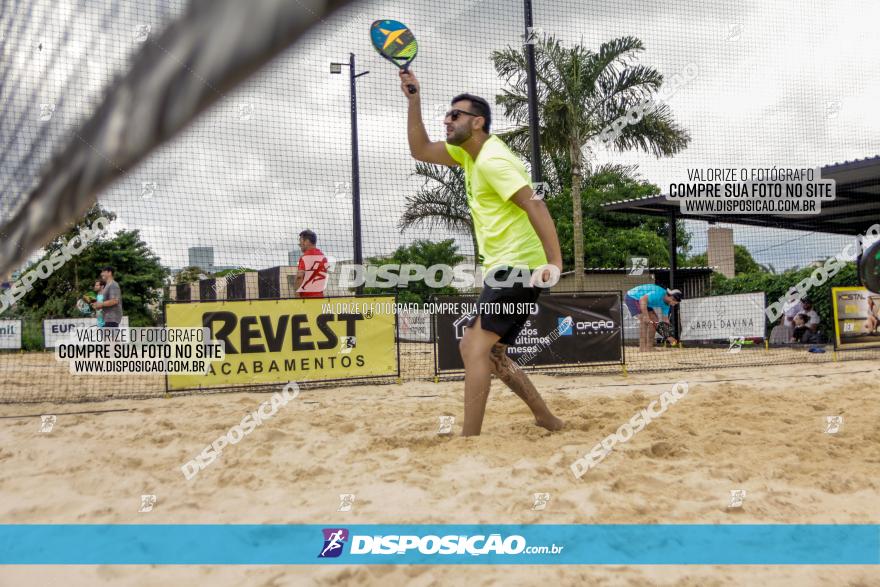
(420, 145)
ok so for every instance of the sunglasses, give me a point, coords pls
(455, 113)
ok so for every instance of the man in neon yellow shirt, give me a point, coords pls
(514, 231)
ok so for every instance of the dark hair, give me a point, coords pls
(806, 301)
(310, 236)
(804, 317)
(675, 294)
(101, 281)
(479, 106)
(108, 268)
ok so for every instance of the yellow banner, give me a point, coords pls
(856, 317)
(277, 341)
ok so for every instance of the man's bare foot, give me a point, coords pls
(552, 424)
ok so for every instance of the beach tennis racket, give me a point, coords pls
(396, 43)
(869, 268)
(664, 329)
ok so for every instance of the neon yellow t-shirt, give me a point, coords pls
(504, 233)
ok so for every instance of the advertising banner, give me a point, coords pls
(55, 329)
(565, 329)
(722, 317)
(414, 326)
(276, 341)
(10, 334)
(856, 317)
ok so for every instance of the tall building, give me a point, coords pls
(202, 257)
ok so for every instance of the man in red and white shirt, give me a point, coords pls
(311, 275)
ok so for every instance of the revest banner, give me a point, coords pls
(55, 329)
(722, 317)
(276, 341)
(567, 329)
(10, 334)
(856, 317)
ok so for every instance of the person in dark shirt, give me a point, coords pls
(112, 304)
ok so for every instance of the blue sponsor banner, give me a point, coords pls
(441, 544)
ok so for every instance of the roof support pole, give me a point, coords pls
(673, 267)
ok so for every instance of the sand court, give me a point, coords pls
(762, 430)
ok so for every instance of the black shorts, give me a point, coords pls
(506, 324)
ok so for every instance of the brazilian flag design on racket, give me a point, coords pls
(394, 41)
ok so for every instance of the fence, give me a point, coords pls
(665, 92)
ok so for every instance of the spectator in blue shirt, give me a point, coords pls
(643, 302)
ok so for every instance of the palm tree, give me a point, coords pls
(580, 93)
(441, 201)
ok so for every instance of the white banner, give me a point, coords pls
(723, 317)
(414, 326)
(61, 328)
(10, 334)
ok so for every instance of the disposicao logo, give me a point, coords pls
(334, 540)
(432, 544)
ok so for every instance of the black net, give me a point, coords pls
(633, 100)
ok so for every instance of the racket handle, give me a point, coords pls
(411, 88)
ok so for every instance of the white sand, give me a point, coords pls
(763, 433)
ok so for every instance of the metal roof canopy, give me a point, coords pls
(855, 207)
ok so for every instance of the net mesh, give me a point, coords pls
(58, 58)
(744, 85)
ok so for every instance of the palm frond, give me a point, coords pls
(656, 133)
(441, 202)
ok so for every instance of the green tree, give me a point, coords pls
(74, 231)
(580, 93)
(421, 252)
(440, 202)
(613, 238)
(138, 271)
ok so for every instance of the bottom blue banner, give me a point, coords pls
(441, 544)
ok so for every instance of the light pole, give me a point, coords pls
(355, 163)
(532, 84)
